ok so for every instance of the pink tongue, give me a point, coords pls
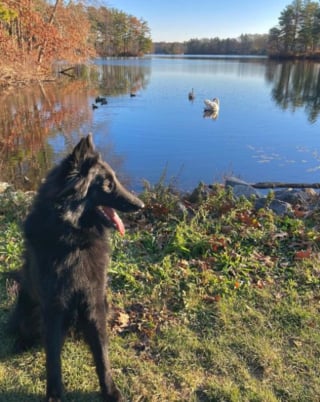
(115, 218)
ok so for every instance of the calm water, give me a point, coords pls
(267, 130)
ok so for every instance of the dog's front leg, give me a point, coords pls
(53, 339)
(94, 329)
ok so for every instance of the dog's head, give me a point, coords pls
(94, 185)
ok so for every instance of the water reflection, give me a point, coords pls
(118, 77)
(28, 117)
(210, 114)
(296, 85)
(39, 124)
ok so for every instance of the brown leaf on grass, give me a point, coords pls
(302, 254)
(225, 208)
(299, 213)
(267, 260)
(157, 209)
(218, 242)
(203, 264)
(211, 299)
(311, 324)
(140, 319)
(248, 219)
(119, 320)
(295, 342)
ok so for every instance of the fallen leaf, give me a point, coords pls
(211, 299)
(302, 254)
(218, 242)
(298, 213)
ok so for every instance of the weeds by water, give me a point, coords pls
(213, 301)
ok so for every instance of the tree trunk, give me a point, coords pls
(50, 22)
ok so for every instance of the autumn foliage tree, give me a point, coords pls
(34, 33)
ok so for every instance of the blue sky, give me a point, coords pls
(180, 20)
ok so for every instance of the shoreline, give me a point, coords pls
(16, 75)
(295, 202)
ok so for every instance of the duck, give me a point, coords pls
(94, 106)
(191, 95)
(212, 105)
(133, 94)
(101, 99)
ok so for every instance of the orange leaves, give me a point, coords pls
(247, 218)
(159, 210)
(47, 33)
(218, 242)
(211, 299)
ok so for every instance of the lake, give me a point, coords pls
(268, 126)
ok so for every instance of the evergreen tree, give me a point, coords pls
(298, 33)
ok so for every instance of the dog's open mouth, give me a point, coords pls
(111, 215)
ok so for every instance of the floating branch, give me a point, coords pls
(65, 72)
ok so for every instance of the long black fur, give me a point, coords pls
(63, 280)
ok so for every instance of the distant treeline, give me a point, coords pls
(296, 35)
(36, 33)
(245, 44)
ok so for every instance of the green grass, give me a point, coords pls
(213, 301)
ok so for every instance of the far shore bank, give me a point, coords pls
(13, 76)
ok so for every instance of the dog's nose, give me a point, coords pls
(140, 204)
(136, 203)
(126, 201)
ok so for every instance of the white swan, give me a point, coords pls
(212, 105)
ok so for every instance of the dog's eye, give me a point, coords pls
(108, 185)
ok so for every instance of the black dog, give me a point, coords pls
(63, 280)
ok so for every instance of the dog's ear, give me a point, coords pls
(83, 149)
(80, 161)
